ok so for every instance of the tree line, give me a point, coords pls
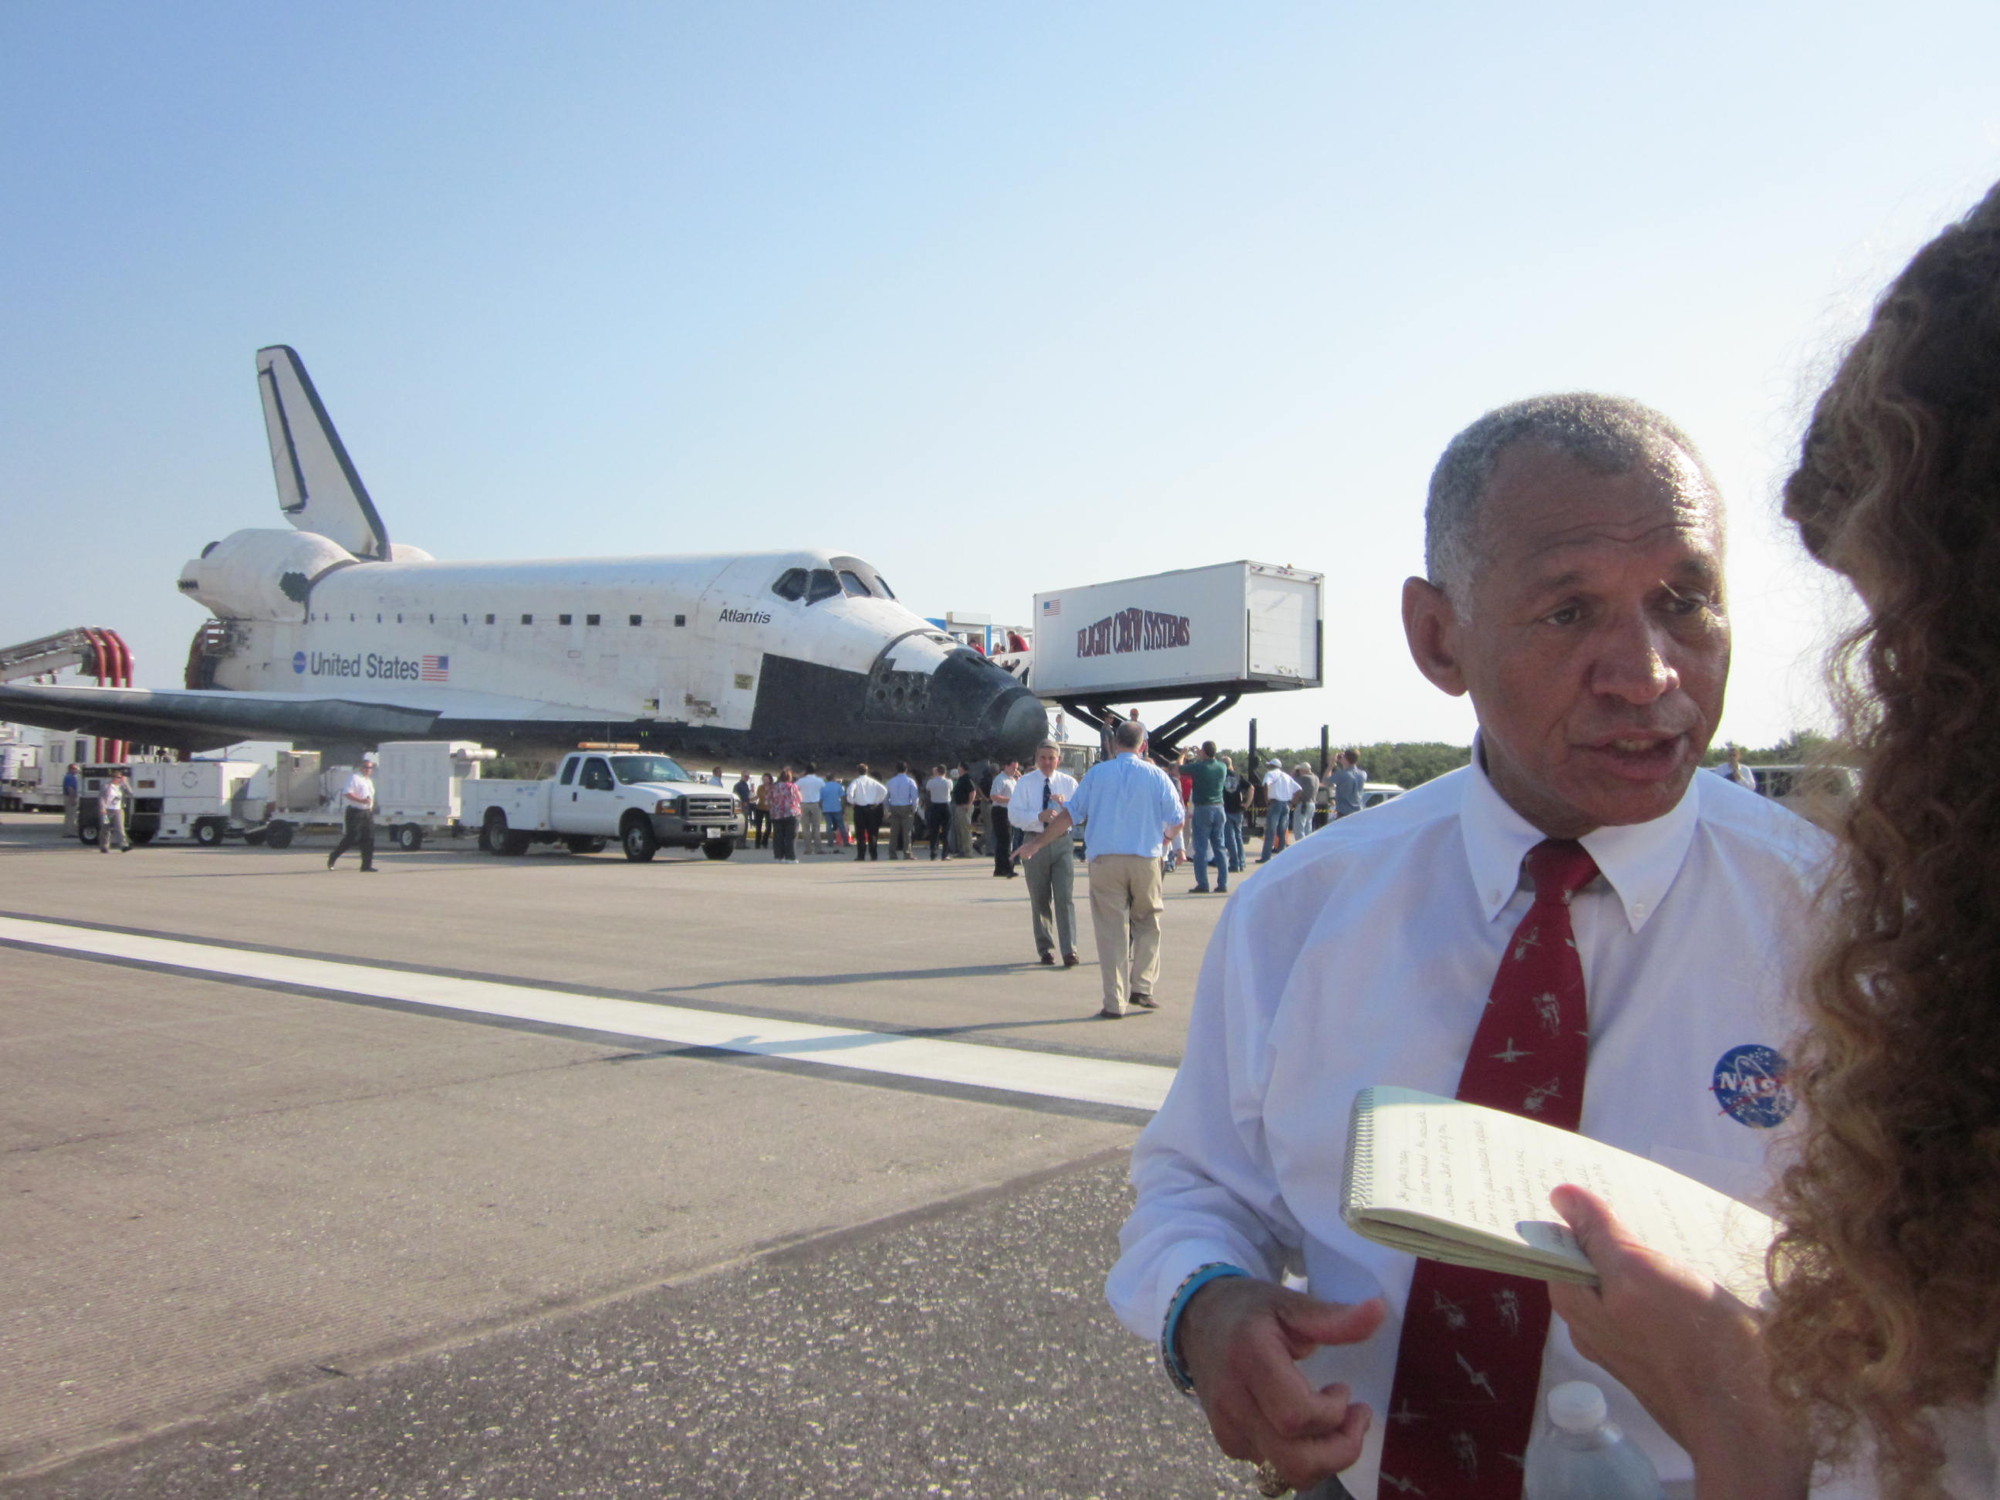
(1407, 763)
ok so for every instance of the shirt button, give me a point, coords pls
(1638, 908)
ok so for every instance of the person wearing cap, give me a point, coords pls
(111, 800)
(1279, 790)
(358, 808)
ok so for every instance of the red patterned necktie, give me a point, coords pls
(1470, 1361)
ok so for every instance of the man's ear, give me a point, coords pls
(1431, 626)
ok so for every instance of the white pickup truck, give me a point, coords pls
(644, 801)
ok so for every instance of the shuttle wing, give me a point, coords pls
(318, 489)
(190, 720)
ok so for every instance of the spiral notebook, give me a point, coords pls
(1470, 1186)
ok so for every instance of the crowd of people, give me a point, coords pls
(961, 812)
(792, 811)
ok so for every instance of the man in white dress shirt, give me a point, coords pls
(1574, 591)
(812, 817)
(937, 813)
(1279, 790)
(357, 803)
(1130, 810)
(1037, 798)
(999, 792)
(866, 795)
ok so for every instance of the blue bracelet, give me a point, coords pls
(1170, 1326)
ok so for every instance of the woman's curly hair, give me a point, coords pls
(1888, 1271)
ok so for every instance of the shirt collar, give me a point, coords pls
(1638, 860)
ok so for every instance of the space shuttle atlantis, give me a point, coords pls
(331, 635)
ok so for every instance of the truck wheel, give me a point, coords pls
(500, 838)
(86, 832)
(207, 833)
(143, 836)
(584, 844)
(279, 835)
(719, 848)
(637, 838)
(409, 838)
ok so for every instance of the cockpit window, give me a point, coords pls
(791, 584)
(824, 586)
(883, 583)
(860, 578)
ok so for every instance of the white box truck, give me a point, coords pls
(1230, 627)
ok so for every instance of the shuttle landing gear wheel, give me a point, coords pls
(499, 838)
(409, 838)
(719, 848)
(584, 844)
(637, 838)
(208, 833)
(279, 835)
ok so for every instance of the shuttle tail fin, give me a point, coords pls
(318, 489)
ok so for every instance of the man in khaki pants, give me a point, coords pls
(1131, 810)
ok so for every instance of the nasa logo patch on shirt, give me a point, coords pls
(1750, 1086)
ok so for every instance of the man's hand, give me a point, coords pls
(1240, 1339)
(1059, 825)
(1692, 1353)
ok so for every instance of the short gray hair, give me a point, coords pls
(1606, 434)
(1129, 735)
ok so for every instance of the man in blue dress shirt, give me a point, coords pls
(1132, 809)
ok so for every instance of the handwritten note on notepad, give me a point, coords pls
(1470, 1185)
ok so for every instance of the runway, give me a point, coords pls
(563, 1176)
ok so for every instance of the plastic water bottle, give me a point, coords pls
(1583, 1456)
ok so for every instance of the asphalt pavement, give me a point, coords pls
(274, 1239)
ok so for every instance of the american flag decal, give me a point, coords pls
(1052, 606)
(435, 669)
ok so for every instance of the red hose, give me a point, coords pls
(123, 653)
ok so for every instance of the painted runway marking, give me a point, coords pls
(1013, 1070)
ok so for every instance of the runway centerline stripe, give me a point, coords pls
(1125, 1085)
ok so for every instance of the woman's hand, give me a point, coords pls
(1692, 1353)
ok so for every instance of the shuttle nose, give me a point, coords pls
(1010, 720)
(1024, 724)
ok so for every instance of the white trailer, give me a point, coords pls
(1229, 628)
(420, 790)
(201, 801)
(33, 763)
(20, 779)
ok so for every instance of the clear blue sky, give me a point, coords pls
(1002, 297)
